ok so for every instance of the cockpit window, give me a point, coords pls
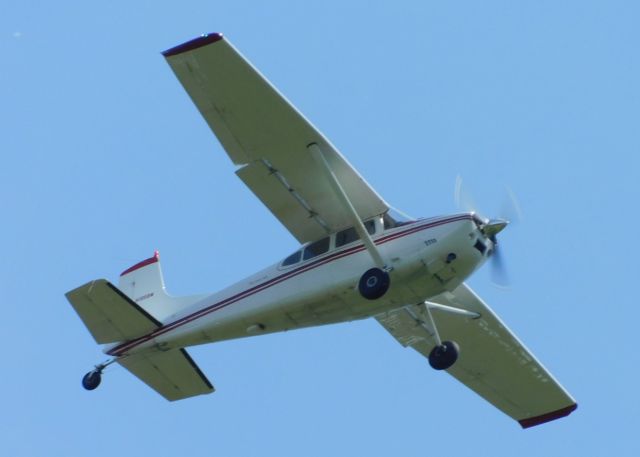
(293, 258)
(388, 222)
(350, 235)
(316, 248)
(370, 226)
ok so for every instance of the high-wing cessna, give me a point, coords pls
(357, 260)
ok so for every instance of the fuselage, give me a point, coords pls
(427, 257)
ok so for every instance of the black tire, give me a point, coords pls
(91, 380)
(374, 283)
(443, 357)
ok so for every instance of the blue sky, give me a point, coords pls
(106, 160)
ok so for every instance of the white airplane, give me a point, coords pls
(357, 260)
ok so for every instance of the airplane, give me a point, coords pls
(358, 259)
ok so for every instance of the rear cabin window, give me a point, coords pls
(292, 259)
(350, 235)
(316, 248)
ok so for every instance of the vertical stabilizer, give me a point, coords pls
(143, 283)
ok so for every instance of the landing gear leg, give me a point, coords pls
(374, 283)
(91, 380)
(445, 354)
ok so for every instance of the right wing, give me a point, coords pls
(173, 374)
(268, 138)
(492, 361)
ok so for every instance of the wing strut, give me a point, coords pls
(318, 155)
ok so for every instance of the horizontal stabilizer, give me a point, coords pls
(173, 374)
(109, 314)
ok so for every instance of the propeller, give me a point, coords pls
(510, 211)
(499, 274)
(510, 208)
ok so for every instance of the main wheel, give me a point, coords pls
(374, 283)
(91, 380)
(443, 357)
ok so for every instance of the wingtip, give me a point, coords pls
(548, 417)
(202, 40)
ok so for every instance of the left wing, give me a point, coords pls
(492, 361)
(268, 137)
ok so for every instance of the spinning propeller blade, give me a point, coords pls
(499, 273)
(462, 198)
(510, 211)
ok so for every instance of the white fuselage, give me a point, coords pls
(323, 289)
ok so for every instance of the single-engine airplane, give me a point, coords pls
(357, 260)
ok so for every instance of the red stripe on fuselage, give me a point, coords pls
(120, 350)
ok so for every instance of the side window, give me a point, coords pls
(293, 258)
(346, 236)
(316, 248)
(350, 235)
(370, 226)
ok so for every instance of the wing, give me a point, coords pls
(268, 138)
(492, 361)
(109, 314)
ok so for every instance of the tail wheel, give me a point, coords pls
(91, 380)
(374, 283)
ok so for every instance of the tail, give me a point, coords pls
(138, 307)
(144, 285)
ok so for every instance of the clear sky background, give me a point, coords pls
(105, 159)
